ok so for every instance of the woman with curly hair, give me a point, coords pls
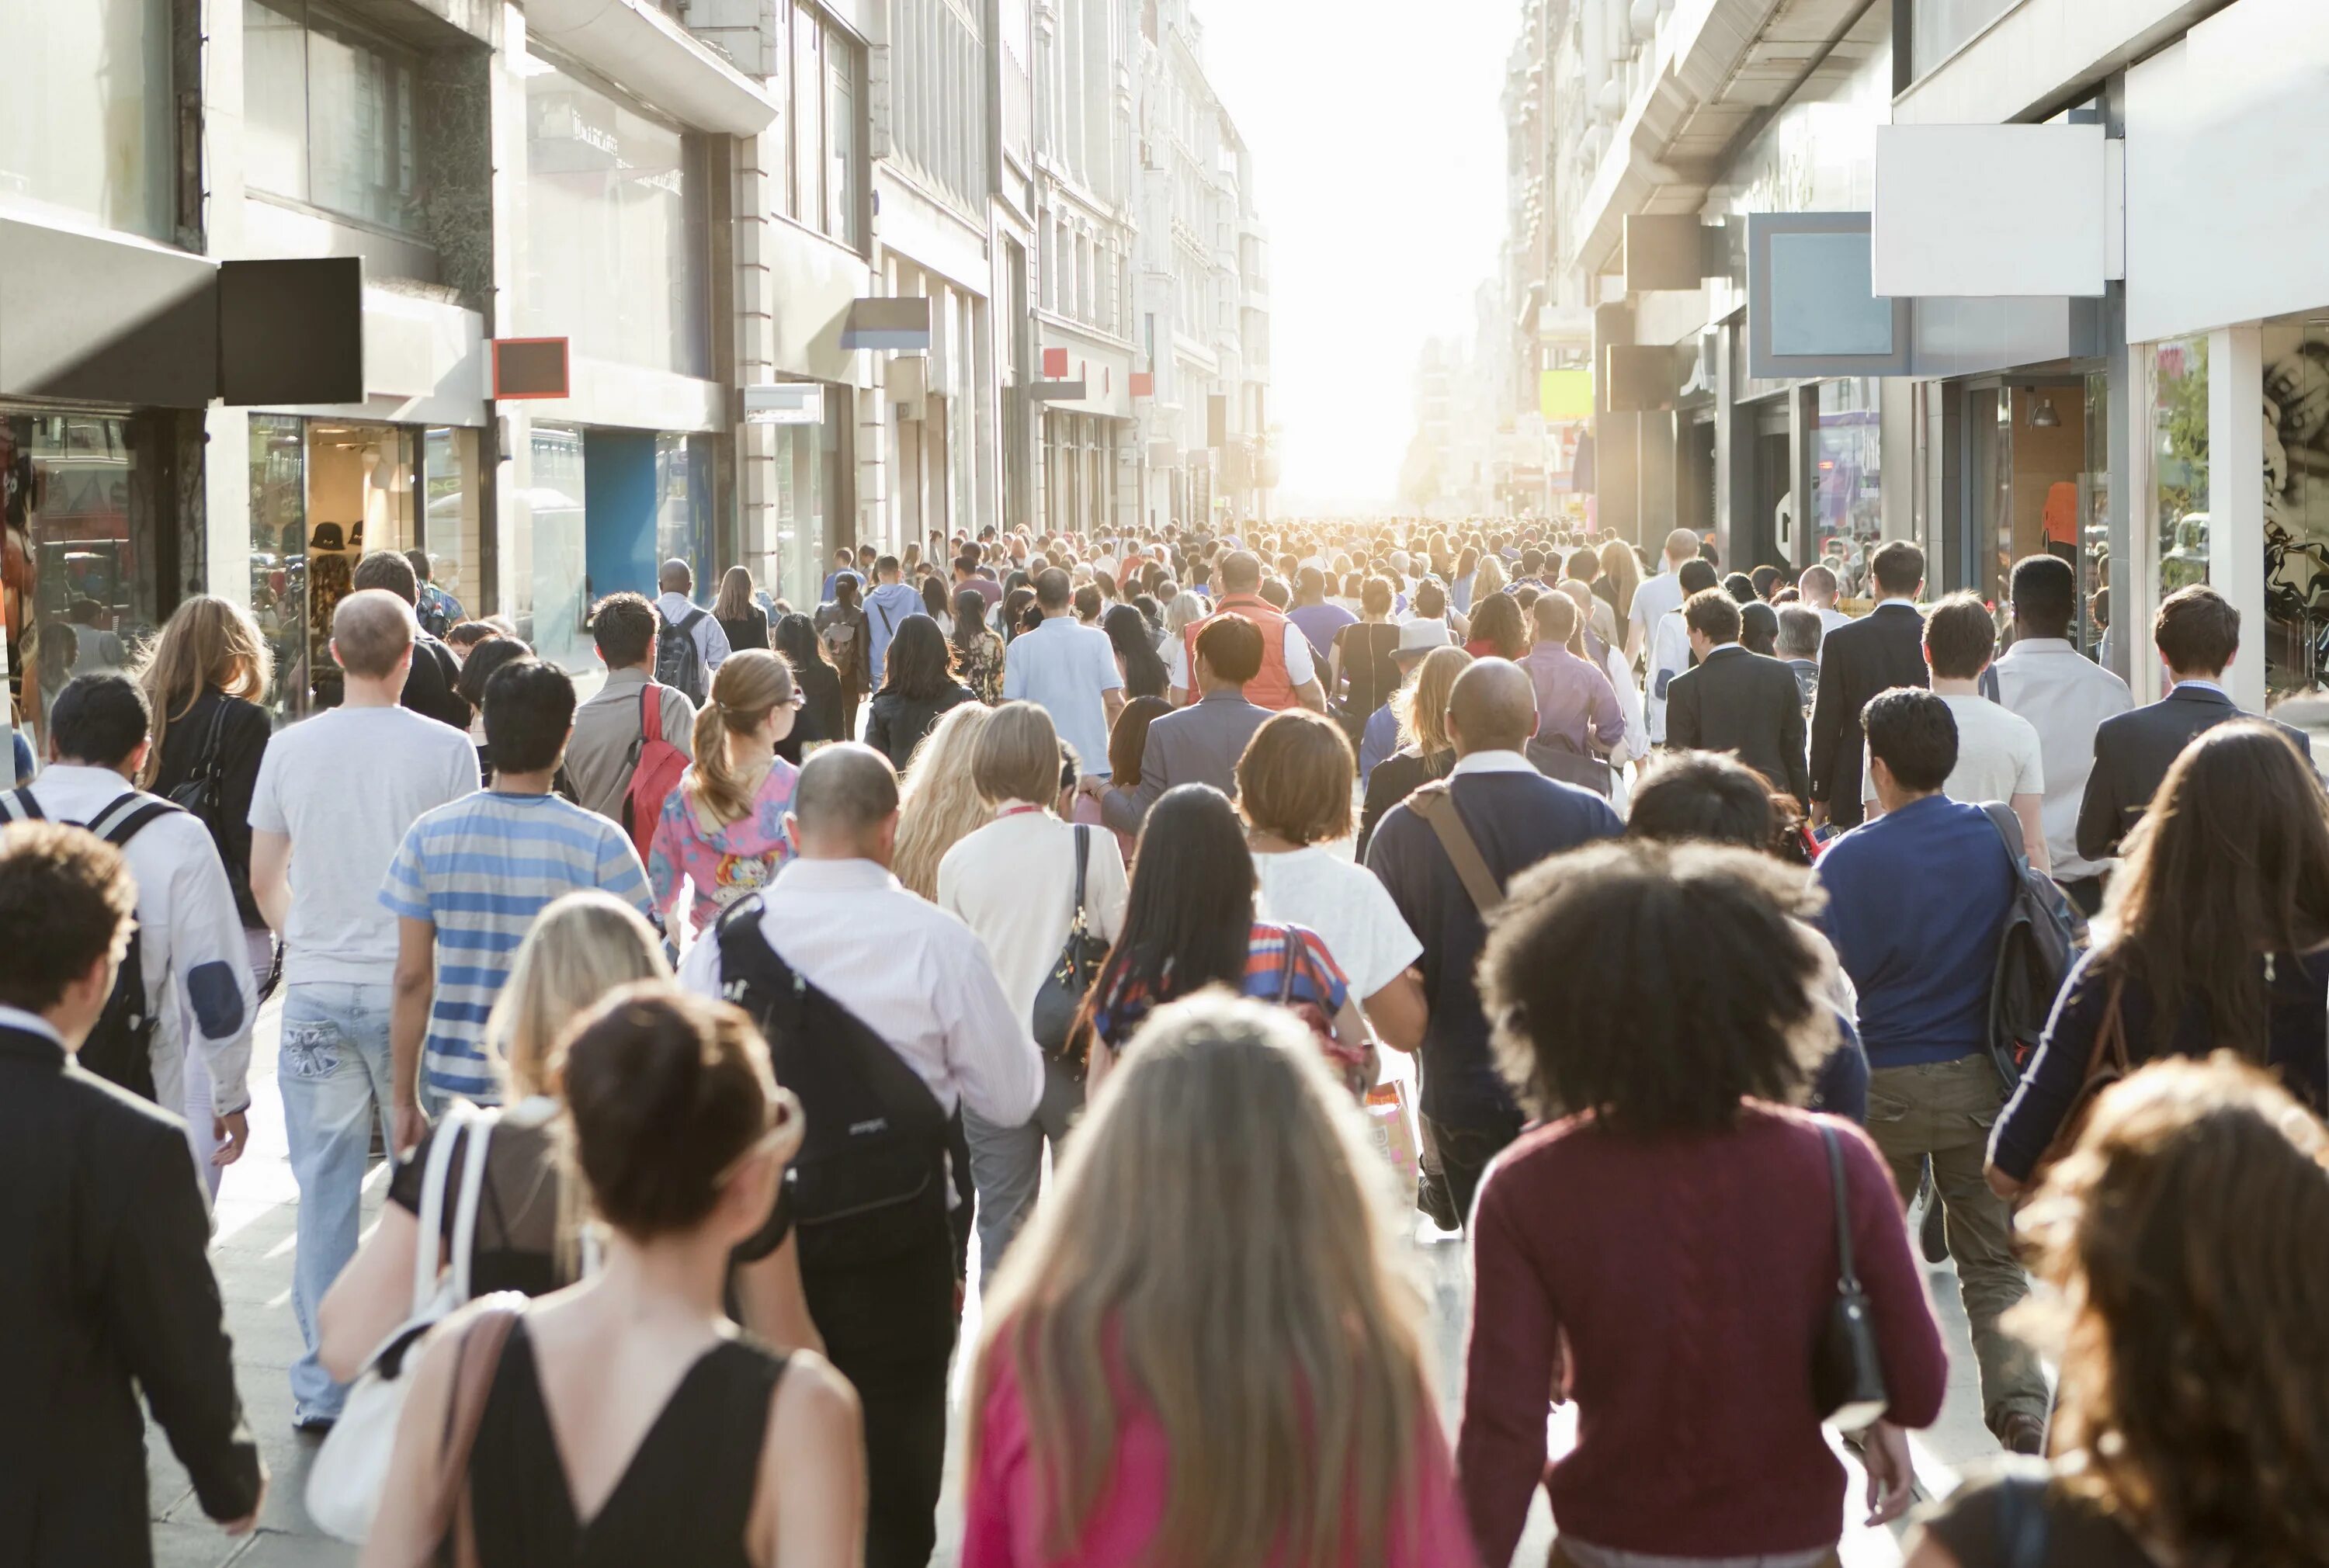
(2186, 1235)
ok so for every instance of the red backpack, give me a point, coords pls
(656, 767)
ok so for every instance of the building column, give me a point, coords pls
(2236, 498)
(1655, 472)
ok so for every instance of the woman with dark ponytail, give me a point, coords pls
(626, 1415)
(722, 831)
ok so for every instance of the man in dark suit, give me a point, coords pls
(1736, 701)
(1513, 816)
(2198, 632)
(109, 1290)
(1883, 648)
(1199, 744)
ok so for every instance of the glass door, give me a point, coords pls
(2296, 355)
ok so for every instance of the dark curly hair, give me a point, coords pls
(1704, 992)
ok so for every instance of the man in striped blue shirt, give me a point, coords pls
(467, 882)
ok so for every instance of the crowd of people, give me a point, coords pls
(1172, 918)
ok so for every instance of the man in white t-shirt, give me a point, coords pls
(1819, 587)
(334, 796)
(1068, 670)
(1661, 594)
(1999, 758)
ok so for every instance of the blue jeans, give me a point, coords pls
(334, 1073)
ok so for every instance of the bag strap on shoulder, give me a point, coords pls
(433, 1177)
(475, 1362)
(2009, 828)
(1076, 923)
(126, 815)
(1847, 1271)
(473, 1186)
(17, 805)
(1436, 805)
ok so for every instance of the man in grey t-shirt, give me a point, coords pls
(335, 797)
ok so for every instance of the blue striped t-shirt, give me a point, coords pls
(480, 870)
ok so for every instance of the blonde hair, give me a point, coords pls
(581, 946)
(745, 689)
(1487, 578)
(734, 601)
(1623, 567)
(1252, 1304)
(1184, 612)
(1421, 705)
(206, 642)
(1017, 756)
(941, 803)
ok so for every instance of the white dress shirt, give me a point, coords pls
(711, 636)
(911, 972)
(1654, 599)
(1491, 762)
(2066, 697)
(1669, 656)
(1013, 883)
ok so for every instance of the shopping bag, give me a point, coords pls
(1390, 1127)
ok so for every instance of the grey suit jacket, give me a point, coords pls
(1199, 744)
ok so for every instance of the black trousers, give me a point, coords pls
(890, 1328)
(1464, 1150)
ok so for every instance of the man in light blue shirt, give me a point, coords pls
(886, 609)
(1068, 670)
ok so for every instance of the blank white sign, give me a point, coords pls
(1990, 212)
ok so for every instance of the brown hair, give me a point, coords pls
(207, 643)
(66, 900)
(2197, 631)
(1959, 636)
(1016, 755)
(2187, 1236)
(1295, 778)
(623, 626)
(1713, 614)
(745, 689)
(734, 601)
(1127, 740)
(1231, 647)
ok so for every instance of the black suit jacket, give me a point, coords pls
(1745, 704)
(1883, 648)
(107, 1291)
(2133, 752)
(433, 687)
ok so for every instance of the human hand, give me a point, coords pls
(1891, 1479)
(412, 1125)
(249, 1522)
(231, 1134)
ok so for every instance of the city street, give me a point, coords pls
(252, 1252)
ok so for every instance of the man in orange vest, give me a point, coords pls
(1289, 671)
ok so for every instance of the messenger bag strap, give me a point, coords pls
(1436, 805)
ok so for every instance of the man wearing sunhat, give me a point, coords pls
(1380, 737)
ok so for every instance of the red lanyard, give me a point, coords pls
(1017, 811)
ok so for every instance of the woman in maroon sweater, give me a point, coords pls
(1674, 1235)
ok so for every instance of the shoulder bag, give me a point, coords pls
(1847, 1369)
(1436, 805)
(351, 1469)
(199, 792)
(1073, 972)
(2107, 1063)
(452, 1508)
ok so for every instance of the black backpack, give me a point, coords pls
(869, 1184)
(678, 662)
(119, 1049)
(2043, 938)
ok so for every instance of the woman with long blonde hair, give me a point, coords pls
(1488, 577)
(1424, 751)
(722, 830)
(939, 803)
(1224, 1368)
(1621, 569)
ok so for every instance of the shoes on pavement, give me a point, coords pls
(2024, 1433)
(1436, 1202)
(314, 1425)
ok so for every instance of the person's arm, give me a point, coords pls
(2051, 1082)
(621, 873)
(372, 1295)
(411, 991)
(164, 1317)
(877, 728)
(1302, 671)
(776, 1306)
(1511, 1358)
(1915, 1366)
(270, 876)
(243, 752)
(210, 965)
(1113, 700)
(678, 720)
(1350, 1033)
(1792, 742)
(1334, 667)
(1829, 720)
(2028, 807)
(2099, 814)
(715, 642)
(1015, 675)
(995, 1061)
(1607, 718)
(809, 1505)
(666, 852)
(1400, 1013)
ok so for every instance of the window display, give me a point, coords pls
(2295, 504)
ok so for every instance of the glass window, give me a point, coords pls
(452, 529)
(86, 118)
(1846, 518)
(2180, 419)
(808, 117)
(1939, 28)
(330, 114)
(550, 574)
(279, 554)
(683, 503)
(841, 185)
(2296, 504)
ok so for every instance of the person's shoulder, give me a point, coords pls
(114, 1117)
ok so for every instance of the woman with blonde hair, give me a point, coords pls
(939, 805)
(722, 830)
(1224, 1368)
(1621, 573)
(739, 613)
(1424, 751)
(1488, 577)
(2186, 1239)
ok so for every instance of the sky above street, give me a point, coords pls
(1378, 145)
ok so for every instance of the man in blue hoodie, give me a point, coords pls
(886, 609)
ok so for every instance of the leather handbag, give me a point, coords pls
(1847, 1369)
(1073, 972)
(453, 1510)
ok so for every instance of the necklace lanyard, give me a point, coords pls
(1017, 811)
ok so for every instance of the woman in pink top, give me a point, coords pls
(1224, 1368)
(722, 830)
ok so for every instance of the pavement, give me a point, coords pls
(251, 1252)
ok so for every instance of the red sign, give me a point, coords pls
(1144, 383)
(1055, 364)
(530, 367)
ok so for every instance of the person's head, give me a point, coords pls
(1764, 578)
(1491, 707)
(1053, 591)
(1017, 756)
(1898, 568)
(1819, 587)
(1309, 586)
(1532, 563)
(207, 644)
(623, 626)
(372, 634)
(918, 665)
(67, 904)
(1758, 628)
(1704, 994)
(2197, 632)
(940, 805)
(1186, 610)
(734, 602)
(1696, 576)
(1959, 638)
(1190, 913)
(479, 669)
(1556, 621)
(795, 636)
(1912, 743)
(463, 637)
(1295, 778)
(750, 707)
(1712, 618)
(2185, 1238)
(2045, 596)
(1260, 1305)
(966, 564)
(1376, 596)
(1496, 621)
(1705, 797)
(843, 557)
(529, 714)
(1127, 738)
(969, 606)
(936, 600)
(1430, 600)
(676, 576)
(1241, 572)
(85, 611)
(1681, 545)
(1421, 704)
(102, 721)
(1488, 581)
(1740, 587)
(1624, 569)
(1228, 652)
(1581, 564)
(866, 554)
(679, 1130)
(847, 589)
(581, 946)
(1800, 633)
(887, 569)
(845, 804)
(386, 569)
(1127, 633)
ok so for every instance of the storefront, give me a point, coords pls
(812, 512)
(1081, 455)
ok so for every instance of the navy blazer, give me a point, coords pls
(2134, 751)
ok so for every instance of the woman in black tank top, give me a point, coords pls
(625, 1420)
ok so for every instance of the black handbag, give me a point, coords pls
(1847, 1370)
(200, 791)
(1073, 971)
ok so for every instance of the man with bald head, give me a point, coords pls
(919, 981)
(1446, 853)
(335, 797)
(1288, 677)
(685, 628)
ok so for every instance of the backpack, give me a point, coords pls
(655, 765)
(870, 1182)
(119, 1049)
(436, 610)
(679, 663)
(2043, 938)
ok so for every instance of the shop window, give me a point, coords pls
(2296, 504)
(1846, 517)
(684, 503)
(825, 190)
(86, 119)
(1939, 28)
(2180, 463)
(329, 114)
(279, 554)
(552, 571)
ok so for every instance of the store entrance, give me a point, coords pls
(2037, 482)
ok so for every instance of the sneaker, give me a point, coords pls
(1932, 1237)
(2024, 1433)
(314, 1425)
(1436, 1202)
